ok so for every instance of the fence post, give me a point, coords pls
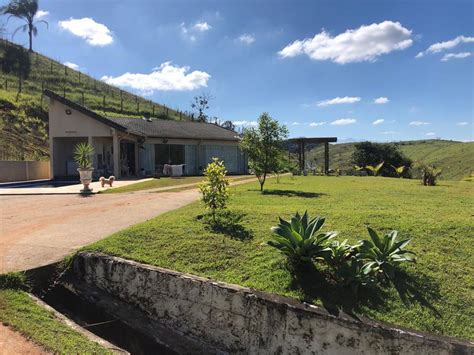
(153, 109)
(6, 84)
(103, 103)
(65, 70)
(121, 105)
(51, 70)
(82, 96)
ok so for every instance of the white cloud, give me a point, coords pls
(343, 122)
(379, 121)
(317, 124)
(449, 56)
(381, 100)
(295, 123)
(389, 132)
(443, 46)
(247, 39)
(71, 65)
(462, 123)
(365, 43)
(96, 34)
(339, 100)
(41, 13)
(246, 123)
(166, 77)
(202, 26)
(430, 134)
(418, 123)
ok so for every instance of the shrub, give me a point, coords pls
(429, 175)
(354, 272)
(215, 186)
(368, 153)
(384, 254)
(399, 171)
(13, 280)
(375, 169)
(298, 238)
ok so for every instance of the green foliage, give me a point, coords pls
(298, 238)
(263, 146)
(215, 186)
(83, 155)
(429, 174)
(353, 272)
(13, 280)
(375, 169)
(399, 171)
(370, 154)
(384, 254)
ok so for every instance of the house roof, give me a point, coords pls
(154, 127)
(175, 129)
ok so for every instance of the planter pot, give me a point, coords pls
(86, 178)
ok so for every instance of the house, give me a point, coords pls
(126, 147)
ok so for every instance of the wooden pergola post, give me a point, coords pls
(315, 140)
(326, 158)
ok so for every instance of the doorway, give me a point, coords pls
(127, 159)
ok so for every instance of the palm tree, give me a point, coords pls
(25, 10)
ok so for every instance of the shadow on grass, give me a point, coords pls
(228, 223)
(318, 284)
(292, 193)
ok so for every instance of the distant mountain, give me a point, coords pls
(24, 111)
(456, 159)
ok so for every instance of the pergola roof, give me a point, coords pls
(313, 140)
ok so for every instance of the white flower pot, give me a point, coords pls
(86, 178)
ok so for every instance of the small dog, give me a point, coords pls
(109, 181)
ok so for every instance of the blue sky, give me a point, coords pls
(317, 66)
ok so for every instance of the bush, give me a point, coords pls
(215, 187)
(13, 280)
(428, 174)
(371, 154)
(357, 265)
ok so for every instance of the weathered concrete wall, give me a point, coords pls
(23, 170)
(240, 320)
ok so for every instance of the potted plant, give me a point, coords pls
(83, 157)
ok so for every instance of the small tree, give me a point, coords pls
(200, 104)
(215, 187)
(263, 146)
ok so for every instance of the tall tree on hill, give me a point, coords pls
(200, 104)
(25, 10)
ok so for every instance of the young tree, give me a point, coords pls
(200, 104)
(25, 10)
(215, 187)
(263, 146)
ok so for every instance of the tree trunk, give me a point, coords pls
(262, 182)
(30, 35)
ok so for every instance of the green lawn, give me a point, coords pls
(21, 313)
(165, 182)
(439, 295)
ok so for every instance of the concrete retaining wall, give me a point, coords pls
(239, 320)
(23, 170)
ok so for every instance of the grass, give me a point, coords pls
(453, 158)
(166, 182)
(19, 312)
(438, 296)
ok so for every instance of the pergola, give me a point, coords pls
(315, 140)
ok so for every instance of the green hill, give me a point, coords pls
(23, 109)
(455, 159)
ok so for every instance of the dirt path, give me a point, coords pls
(12, 342)
(37, 230)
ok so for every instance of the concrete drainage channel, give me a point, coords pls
(144, 310)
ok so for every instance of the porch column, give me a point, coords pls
(326, 158)
(116, 148)
(137, 157)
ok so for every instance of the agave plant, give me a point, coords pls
(383, 254)
(83, 155)
(299, 239)
(339, 252)
(400, 170)
(354, 272)
(375, 169)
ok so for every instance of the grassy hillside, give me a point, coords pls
(456, 159)
(23, 109)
